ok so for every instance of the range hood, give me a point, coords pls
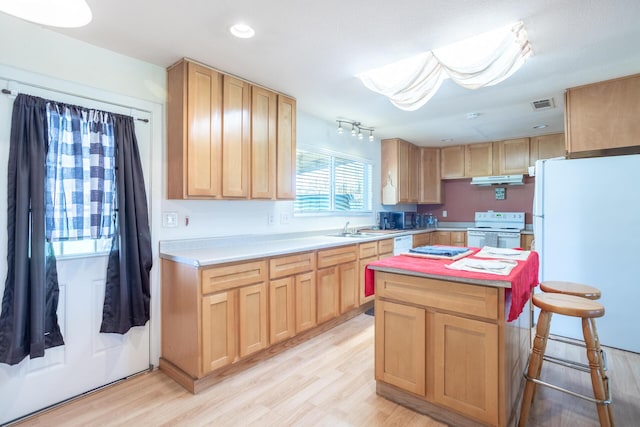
(498, 179)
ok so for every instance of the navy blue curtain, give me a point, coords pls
(28, 323)
(127, 293)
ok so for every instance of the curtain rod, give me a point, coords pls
(15, 93)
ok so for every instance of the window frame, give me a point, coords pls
(367, 184)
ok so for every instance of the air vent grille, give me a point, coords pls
(543, 104)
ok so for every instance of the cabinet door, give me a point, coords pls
(235, 138)
(421, 239)
(204, 100)
(389, 171)
(603, 115)
(252, 315)
(218, 330)
(526, 240)
(281, 309)
(430, 186)
(328, 294)
(263, 143)
(305, 301)
(478, 159)
(512, 157)
(546, 147)
(349, 285)
(458, 238)
(414, 173)
(286, 151)
(452, 162)
(362, 264)
(404, 172)
(385, 248)
(442, 238)
(465, 355)
(400, 346)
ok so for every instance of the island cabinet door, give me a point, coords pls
(400, 346)
(465, 366)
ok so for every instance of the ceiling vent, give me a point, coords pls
(543, 104)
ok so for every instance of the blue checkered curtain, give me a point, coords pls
(80, 192)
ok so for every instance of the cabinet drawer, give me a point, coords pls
(291, 264)
(368, 249)
(229, 276)
(329, 257)
(385, 246)
(472, 300)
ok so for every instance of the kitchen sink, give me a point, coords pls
(361, 235)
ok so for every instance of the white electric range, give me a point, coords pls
(497, 229)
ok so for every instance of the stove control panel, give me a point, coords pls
(500, 219)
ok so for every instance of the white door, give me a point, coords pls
(88, 359)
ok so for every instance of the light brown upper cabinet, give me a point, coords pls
(286, 152)
(511, 156)
(194, 132)
(603, 116)
(478, 159)
(399, 172)
(227, 138)
(546, 147)
(236, 134)
(452, 162)
(430, 185)
(264, 115)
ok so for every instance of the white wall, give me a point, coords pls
(58, 62)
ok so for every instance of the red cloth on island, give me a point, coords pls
(523, 278)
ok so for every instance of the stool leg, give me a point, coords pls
(595, 362)
(535, 365)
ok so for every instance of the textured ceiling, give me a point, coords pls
(312, 50)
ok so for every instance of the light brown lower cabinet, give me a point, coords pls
(450, 238)
(337, 281)
(218, 330)
(446, 348)
(282, 324)
(305, 290)
(369, 252)
(223, 318)
(422, 239)
(400, 346)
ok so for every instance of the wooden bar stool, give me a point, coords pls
(587, 310)
(578, 290)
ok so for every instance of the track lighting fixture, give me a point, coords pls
(356, 129)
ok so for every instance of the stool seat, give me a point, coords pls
(568, 305)
(570, 288)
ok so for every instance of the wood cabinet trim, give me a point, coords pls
(229, 276)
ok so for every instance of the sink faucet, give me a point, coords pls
(345, 230)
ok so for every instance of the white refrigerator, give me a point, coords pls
(586, 222)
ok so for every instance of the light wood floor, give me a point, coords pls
(327, 381)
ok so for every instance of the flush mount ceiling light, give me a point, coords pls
(540, 126)
(242, 31)
(54, 13)
(356, 129)
(482, 60)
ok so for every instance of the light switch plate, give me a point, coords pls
(170, 219)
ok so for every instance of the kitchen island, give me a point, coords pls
(444, 345)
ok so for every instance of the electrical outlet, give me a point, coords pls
(284, 218)
(444, 214)
(271, 219)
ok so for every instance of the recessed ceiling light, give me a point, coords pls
(242, 31)
(540, 126)
(446, 140)
(472, 116)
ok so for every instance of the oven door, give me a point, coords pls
(475, 238)
(508, 240)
